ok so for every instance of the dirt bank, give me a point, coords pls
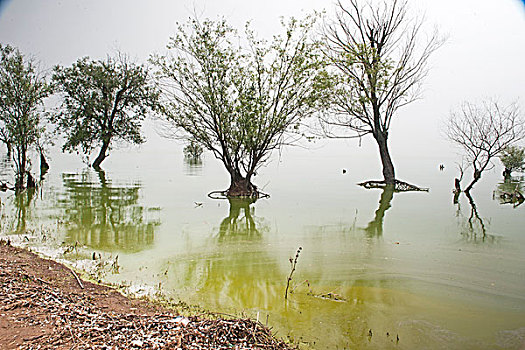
(44, 306)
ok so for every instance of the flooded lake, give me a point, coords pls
(377, 269)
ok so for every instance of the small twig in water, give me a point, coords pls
(300, 284)
(293, 263)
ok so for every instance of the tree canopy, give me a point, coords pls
(513, 159)
(103, 102)
(240, 102)
(482, 131)
(380, 58)
(22, 91)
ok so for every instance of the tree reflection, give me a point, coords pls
(239, 270)
(193, 165)
(23, 202)
(18, 214)
(104, 216)
(239, 273)
(242, 275)
(375, 227)
(240, 223)
(510, 191)
(473, 228)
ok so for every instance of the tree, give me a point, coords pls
(513, 159)
(22, 91)
(483, 131)
(103, 102)
(379, 64)
(240, 103)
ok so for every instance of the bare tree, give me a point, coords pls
(381, 60)
(483, 131)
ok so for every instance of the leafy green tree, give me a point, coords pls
(193, 150)
(513, 159)
(240, 102)
(103, 102)
(22, 91)
(380, 60)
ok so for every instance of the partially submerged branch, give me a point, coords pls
(515, 198)
(399, 186)
(4, 187)
(225, 195)
(293, 264)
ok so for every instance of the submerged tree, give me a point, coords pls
(103, 102)
(483, 131)
(380, 59)
(241, 103)
(513, 159)
(22, 91)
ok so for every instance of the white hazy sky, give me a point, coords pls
(483, 57)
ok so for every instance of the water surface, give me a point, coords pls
(377, 269)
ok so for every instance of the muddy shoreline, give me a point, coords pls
(45, 305)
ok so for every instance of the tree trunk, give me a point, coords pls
(31, 183)
(477, 176)
(388, 167)
(101, 156)
(457, 185)
(455, 200)
(241, 186)
(44, 166)
(20, 161)
(19, 183)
